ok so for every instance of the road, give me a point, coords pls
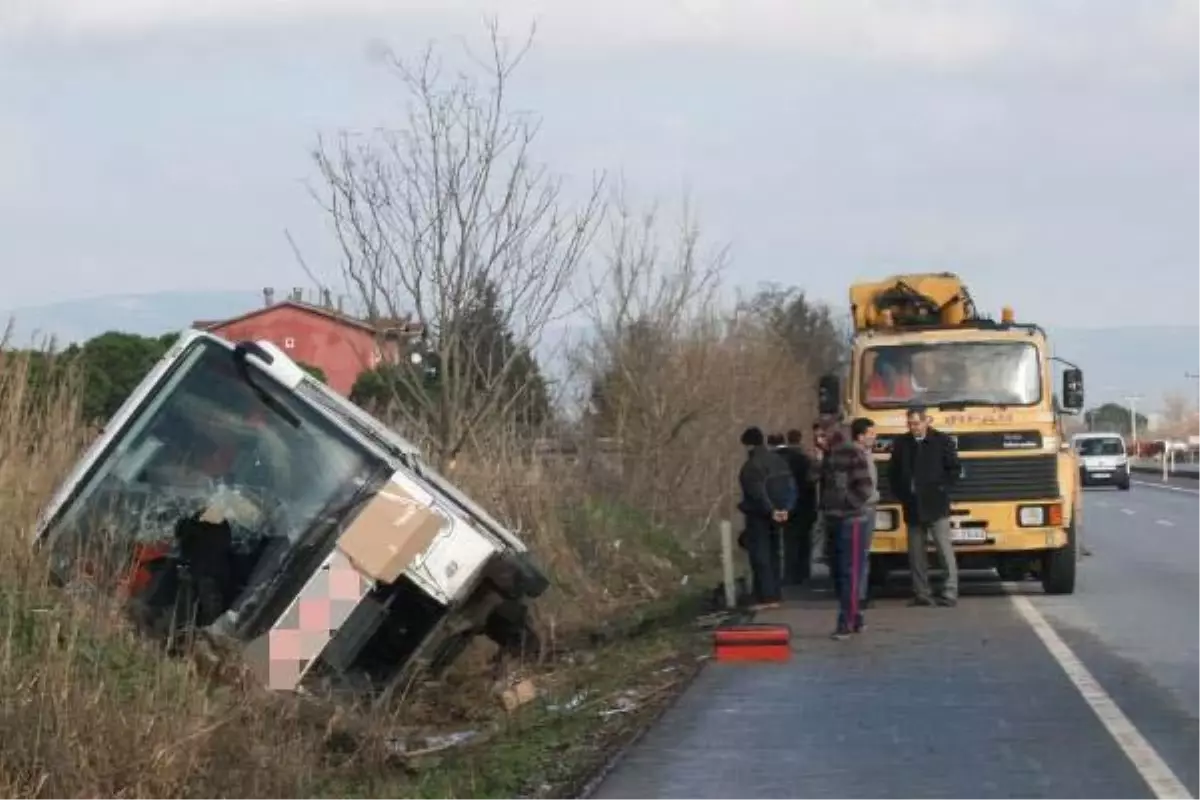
(1011, 694)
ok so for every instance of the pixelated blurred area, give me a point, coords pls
(283, 655)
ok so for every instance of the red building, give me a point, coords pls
(319, 335)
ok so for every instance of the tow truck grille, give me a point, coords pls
(998, 479)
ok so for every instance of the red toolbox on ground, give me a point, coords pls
(755, 641)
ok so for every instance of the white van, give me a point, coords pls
(1102, 459)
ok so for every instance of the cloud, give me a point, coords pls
(935, 32)
(1143, 38)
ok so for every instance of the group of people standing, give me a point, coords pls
(801, 504)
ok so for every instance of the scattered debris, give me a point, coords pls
(627, 701)
(571, 705)
(432, 743)
(523, 692)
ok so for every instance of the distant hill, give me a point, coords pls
(143, 314)
(1117, 361)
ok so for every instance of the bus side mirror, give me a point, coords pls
(1072, 389)
(829, 392)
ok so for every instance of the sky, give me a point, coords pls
(1044, 149)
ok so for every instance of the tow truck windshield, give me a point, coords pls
(951, 375)
(209, 461)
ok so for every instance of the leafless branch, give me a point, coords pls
(449, 205)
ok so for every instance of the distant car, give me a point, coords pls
(1103, 460)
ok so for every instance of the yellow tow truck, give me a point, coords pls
(919, 340)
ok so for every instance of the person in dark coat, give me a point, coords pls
(797, 534)
(768, 493)
(924, 467)
(820, 444)
(823, 532)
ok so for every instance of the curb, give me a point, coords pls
(593, 783)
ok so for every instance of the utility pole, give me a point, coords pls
(1131, 402)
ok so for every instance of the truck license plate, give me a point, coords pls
(968, 533)
(1101, 474)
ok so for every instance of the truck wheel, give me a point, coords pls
(1124, 485)
(1058, 566)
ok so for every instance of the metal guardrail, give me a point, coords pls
(1153, 466)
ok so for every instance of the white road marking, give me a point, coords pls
(1168, 488)
(1128, 511)
(1165, 522)
(1145, 759)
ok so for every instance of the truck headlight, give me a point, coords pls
(1031, 516)
(885, 520)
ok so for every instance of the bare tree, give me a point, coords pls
(643, 303)
(654, 323)
(817, 340)
(450, 212)
(1179, 415)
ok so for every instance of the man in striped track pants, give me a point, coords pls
(847, 503)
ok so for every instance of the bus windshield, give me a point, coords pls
(240, 463)
(950, 374)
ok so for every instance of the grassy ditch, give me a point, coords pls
(591, 702)
(89, 710)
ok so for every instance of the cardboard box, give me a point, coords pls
(517, 696)
(390, 532)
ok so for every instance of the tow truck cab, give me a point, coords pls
(235, 497)
(919, 341)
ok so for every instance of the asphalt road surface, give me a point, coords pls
(1011, 694)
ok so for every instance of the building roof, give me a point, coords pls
(383, 325)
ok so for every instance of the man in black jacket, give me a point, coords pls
(797, 537)
(768, 493)
(923, 468)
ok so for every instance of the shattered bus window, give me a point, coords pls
(209, 476)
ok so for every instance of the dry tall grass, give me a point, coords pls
(85, 709)
(631, 516)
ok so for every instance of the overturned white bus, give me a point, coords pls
(234, 496)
